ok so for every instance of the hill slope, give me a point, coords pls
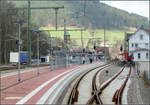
(90, 14)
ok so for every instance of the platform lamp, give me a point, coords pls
(38, 53)
(19, 46)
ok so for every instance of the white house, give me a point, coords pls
(138, 45)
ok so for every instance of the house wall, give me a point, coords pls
(135, 39)
(144, 66)
(142, 44)
(142, 55)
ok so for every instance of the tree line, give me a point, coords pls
(9, 34)
(84, 13)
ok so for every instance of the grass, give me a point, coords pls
(111, 35)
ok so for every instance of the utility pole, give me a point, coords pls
(29, 8)
(38, 55)
(65, 62)
(19, 55)
(50, 54)
(65, 29)
(28, 33)
(104, 46)
(0, 33)
(50, 37)
(38, 52)
(84, 7)
(64, 26)
(149, 59)
(56, 12)
(82, 39)
(51, 57)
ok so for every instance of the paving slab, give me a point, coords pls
(20, 91)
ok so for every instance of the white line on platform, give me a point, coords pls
(51, 90)
(59, 86)
(27, 97)
(16, 72)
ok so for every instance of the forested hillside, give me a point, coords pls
(87, 14)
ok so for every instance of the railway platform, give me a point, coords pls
(33, 88)
(55, 86)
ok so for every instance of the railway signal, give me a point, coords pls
(38, 53)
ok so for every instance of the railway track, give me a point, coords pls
(96, 92)
(118, 94)
(74, 93)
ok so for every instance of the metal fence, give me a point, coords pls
(64, 59)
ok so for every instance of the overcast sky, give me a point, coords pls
(138, 7)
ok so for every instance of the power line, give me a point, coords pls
(29, 8)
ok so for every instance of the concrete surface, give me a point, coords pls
(108, 92)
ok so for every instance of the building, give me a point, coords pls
(138, 44)
(100, 50)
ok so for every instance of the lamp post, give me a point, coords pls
(19, 47)
(38, 53)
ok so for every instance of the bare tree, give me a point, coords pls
(6, 27)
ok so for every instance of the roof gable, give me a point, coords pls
(142, 28)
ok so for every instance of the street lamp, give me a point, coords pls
(38, 55)
(19, 46)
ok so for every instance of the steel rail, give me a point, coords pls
(118, 94)
(74, 93)
(91, 100)
(95, 90)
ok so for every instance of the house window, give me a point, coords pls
(141, 37)
(136, 45)
(132, 44)
(139, 55)
(146, 45)
(146, 55)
